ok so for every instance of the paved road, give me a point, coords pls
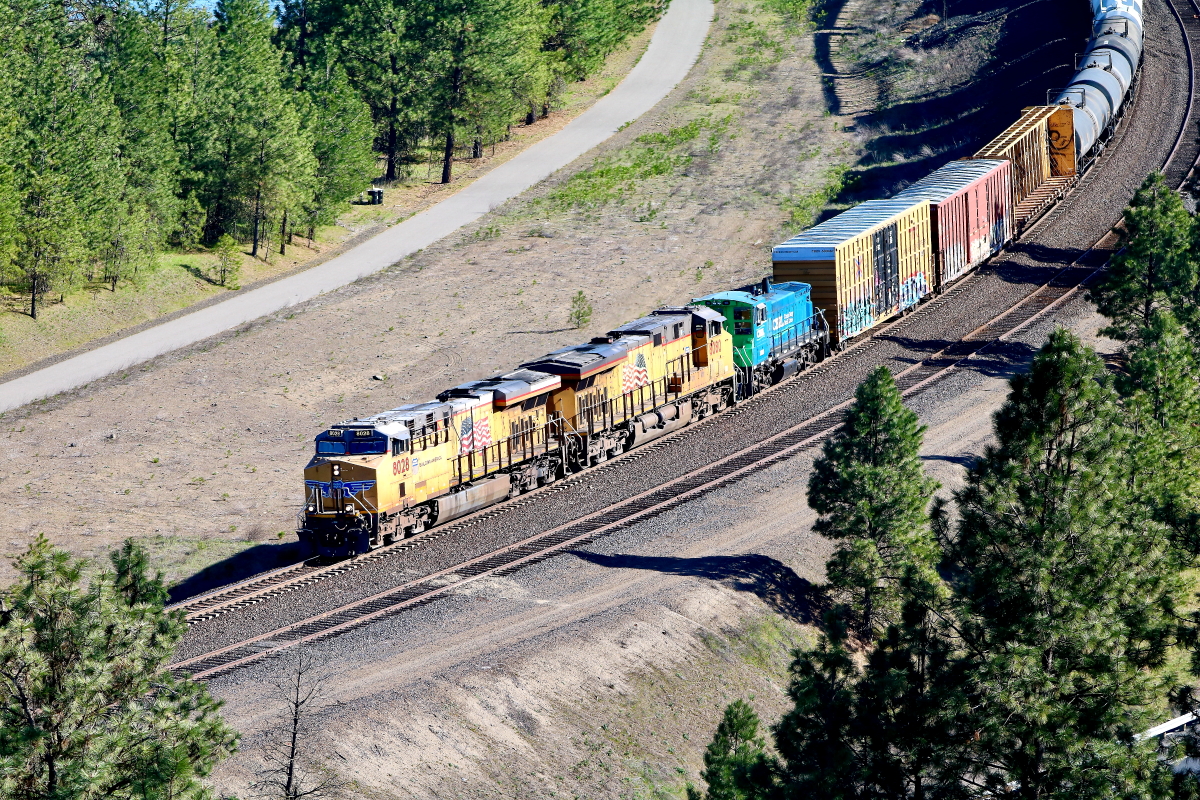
(673, 50)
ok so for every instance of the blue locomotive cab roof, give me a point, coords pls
(780, 295)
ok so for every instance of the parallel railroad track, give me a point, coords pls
(1062, 287)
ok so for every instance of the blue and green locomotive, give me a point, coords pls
(776, 331)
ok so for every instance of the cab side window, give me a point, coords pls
(743, 321)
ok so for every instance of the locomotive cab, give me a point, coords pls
(767, 321)
(354, 478)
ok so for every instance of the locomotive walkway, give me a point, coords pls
(673, 50)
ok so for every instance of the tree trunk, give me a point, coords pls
(868, 612)
(1149, 302)
(390, 172)
(477, 148)
(33, 289)
(531, 117)
(283, 235)
(546, 108)
(448, 156)
(257, 217)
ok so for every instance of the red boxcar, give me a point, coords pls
(971, 215)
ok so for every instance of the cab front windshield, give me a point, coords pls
(364, 447)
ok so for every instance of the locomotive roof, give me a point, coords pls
(582, 358)
(848, 225)
(949, 179)
(780, 292)
(508, 387)
(394, 421)
(661, 319)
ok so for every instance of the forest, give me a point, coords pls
(130, 126)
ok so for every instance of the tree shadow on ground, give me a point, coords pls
(770, 580)
(246, 564)
(908, 139)
(199, 274)
(963, 461)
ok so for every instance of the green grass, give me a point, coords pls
(756, 49)
(803, 210)
(613, 178)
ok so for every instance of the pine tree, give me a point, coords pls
(1152, 267)
(1060, 593)
(581, 311)
(584, 32)
(1161, 395)
(871, 492)
(380, 45)
(64, 152)
(483, 53)
(815, 738)
(255, 160)
(88, 707)
(736, 766)
(339, 125)
(912, 726)
(229, 261)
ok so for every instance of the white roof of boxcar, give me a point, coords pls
(948, 180)
(846, 226)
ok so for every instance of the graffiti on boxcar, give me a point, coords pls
(856, 316)
(912, 290)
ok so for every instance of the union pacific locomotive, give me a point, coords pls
(373, 480)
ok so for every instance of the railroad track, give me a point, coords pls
(1063, 286)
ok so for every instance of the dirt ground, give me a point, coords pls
(200, 453)
(601, 673)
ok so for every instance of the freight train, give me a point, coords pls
(376, 479)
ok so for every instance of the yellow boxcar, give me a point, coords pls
(1041, 147)
(864, 265)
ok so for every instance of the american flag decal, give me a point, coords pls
(635, 374)
(475, 435)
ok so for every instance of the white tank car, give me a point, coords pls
(1106, 71)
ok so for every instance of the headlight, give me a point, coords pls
(311, 508)
(337, 470)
